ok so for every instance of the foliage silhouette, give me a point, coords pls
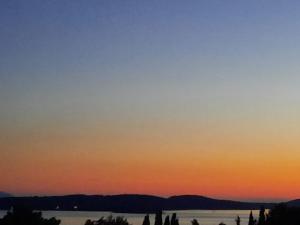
(238, 220)
(167, 221)
(110, 220)
(158, 218)
(146, 220)
(21, 215)
(279, 215)
(252, 221)
(283, 215)
(195, 222)
(262, 216)
(174, 220)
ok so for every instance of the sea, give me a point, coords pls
(204, 217)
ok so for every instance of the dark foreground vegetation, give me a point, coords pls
(24, 216)
(279, 215)
(110, 220)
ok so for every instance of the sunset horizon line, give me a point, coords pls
(232, 198)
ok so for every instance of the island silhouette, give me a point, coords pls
(127, 203)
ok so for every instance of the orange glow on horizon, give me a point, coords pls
(165, 162)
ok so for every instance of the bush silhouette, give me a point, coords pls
(22, 215)
(195, 222)
(110, 220)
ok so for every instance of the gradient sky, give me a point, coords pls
(155, 97)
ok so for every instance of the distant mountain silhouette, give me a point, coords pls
(200, 202)
(126, 203)
(4, 194)
(294, 203)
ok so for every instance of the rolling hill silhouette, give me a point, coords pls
(294, 203)
(127, 203)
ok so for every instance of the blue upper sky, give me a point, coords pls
(61, 48)
(112, 59)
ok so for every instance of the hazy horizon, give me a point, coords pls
(278, 200)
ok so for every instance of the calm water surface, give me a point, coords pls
(204, 217)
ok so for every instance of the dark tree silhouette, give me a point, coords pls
(238, 220)
(22, 215)
(146, 220)
(110, 220)
(262, 216)
(195, 222)
(158, 218)
(283, 215)
(174, 220)
(167, 220)
(251, 219)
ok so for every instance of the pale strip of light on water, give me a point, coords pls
(204, 217)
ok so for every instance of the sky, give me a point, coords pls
(153, 97)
